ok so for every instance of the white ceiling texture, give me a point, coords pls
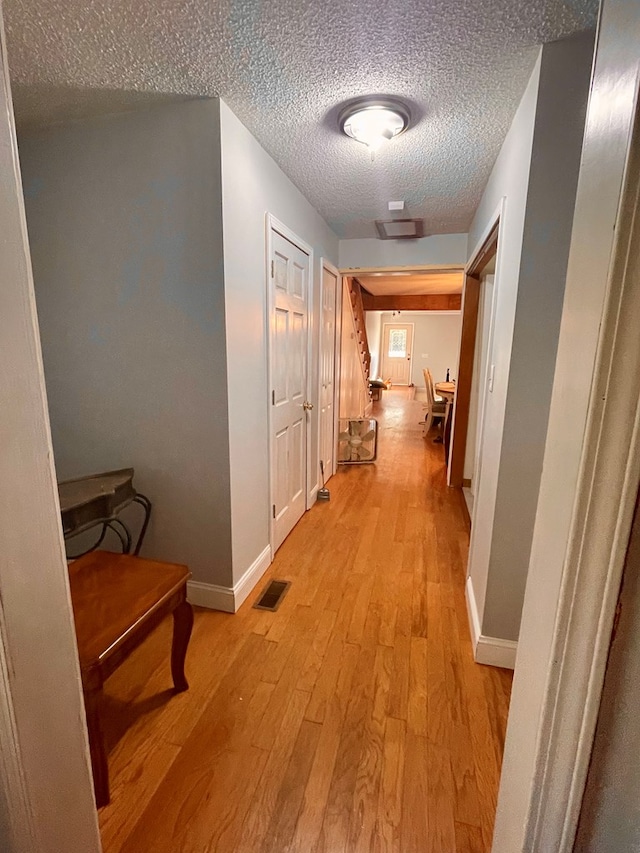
(285, 68)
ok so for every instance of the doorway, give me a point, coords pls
(479, 380)
(475, 367)
(397, 349)
(289, 285)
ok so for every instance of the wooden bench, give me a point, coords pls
(117, 601)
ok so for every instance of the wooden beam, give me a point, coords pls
(417, 302)
(465, 375)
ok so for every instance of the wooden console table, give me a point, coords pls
(117, 601)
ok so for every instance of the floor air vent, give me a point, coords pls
(272, 595)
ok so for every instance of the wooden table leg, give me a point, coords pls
(99, 765)
(182, 625)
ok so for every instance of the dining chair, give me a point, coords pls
(434, 408)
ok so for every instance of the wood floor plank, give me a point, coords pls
(209, 786)
(441, 802)
(414, 827)
(417, 720)
(399, 691)
(263, 803)
(281, 830)
(364, 811)
(309, 824)
(469, 839)
(315, 657)
(389, 812)
(337, 817)
(353, 718)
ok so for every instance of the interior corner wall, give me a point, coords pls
(557, 146)
(513, 443)
(125, 229)
(252, 186)
(430, 251)
(508, 184)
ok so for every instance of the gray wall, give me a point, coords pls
(438, 249)
(124, 218)
(557, 144)
(507, 185)
(530, 285)
(254, 185)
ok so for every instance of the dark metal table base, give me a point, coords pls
(121, 530)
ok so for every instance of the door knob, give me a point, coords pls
(307, 406)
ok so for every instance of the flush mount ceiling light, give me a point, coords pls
(374, 121)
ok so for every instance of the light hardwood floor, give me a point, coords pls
(353, 718)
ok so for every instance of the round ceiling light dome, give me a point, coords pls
(374, 121)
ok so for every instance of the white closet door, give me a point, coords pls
(288, 354)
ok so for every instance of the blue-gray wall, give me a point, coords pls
(125, 228)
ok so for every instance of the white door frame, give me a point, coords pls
(413, 335)
(327, 265)
(46, 792)
(592, 456)
(484, 380)
(273, 224)
(338, 369)
(494, 222)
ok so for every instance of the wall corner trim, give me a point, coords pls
(226, 598)
(491, 651)
(251, 577)
(472, 612)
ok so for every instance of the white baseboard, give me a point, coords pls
(211, 596)
(313, 495)
(227, 598)
(491, 651)
(251, 577)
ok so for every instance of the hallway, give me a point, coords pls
(353, 718)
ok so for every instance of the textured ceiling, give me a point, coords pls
(285, 67)
(410, 285)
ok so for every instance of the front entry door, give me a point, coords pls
(288, 353)
(397, 346)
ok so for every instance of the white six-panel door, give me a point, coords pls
(327, 368)
(289, 280)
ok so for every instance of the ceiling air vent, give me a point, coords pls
(399, 229)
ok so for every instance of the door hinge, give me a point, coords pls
(272, 269)
(274, 510)
(273, 398)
